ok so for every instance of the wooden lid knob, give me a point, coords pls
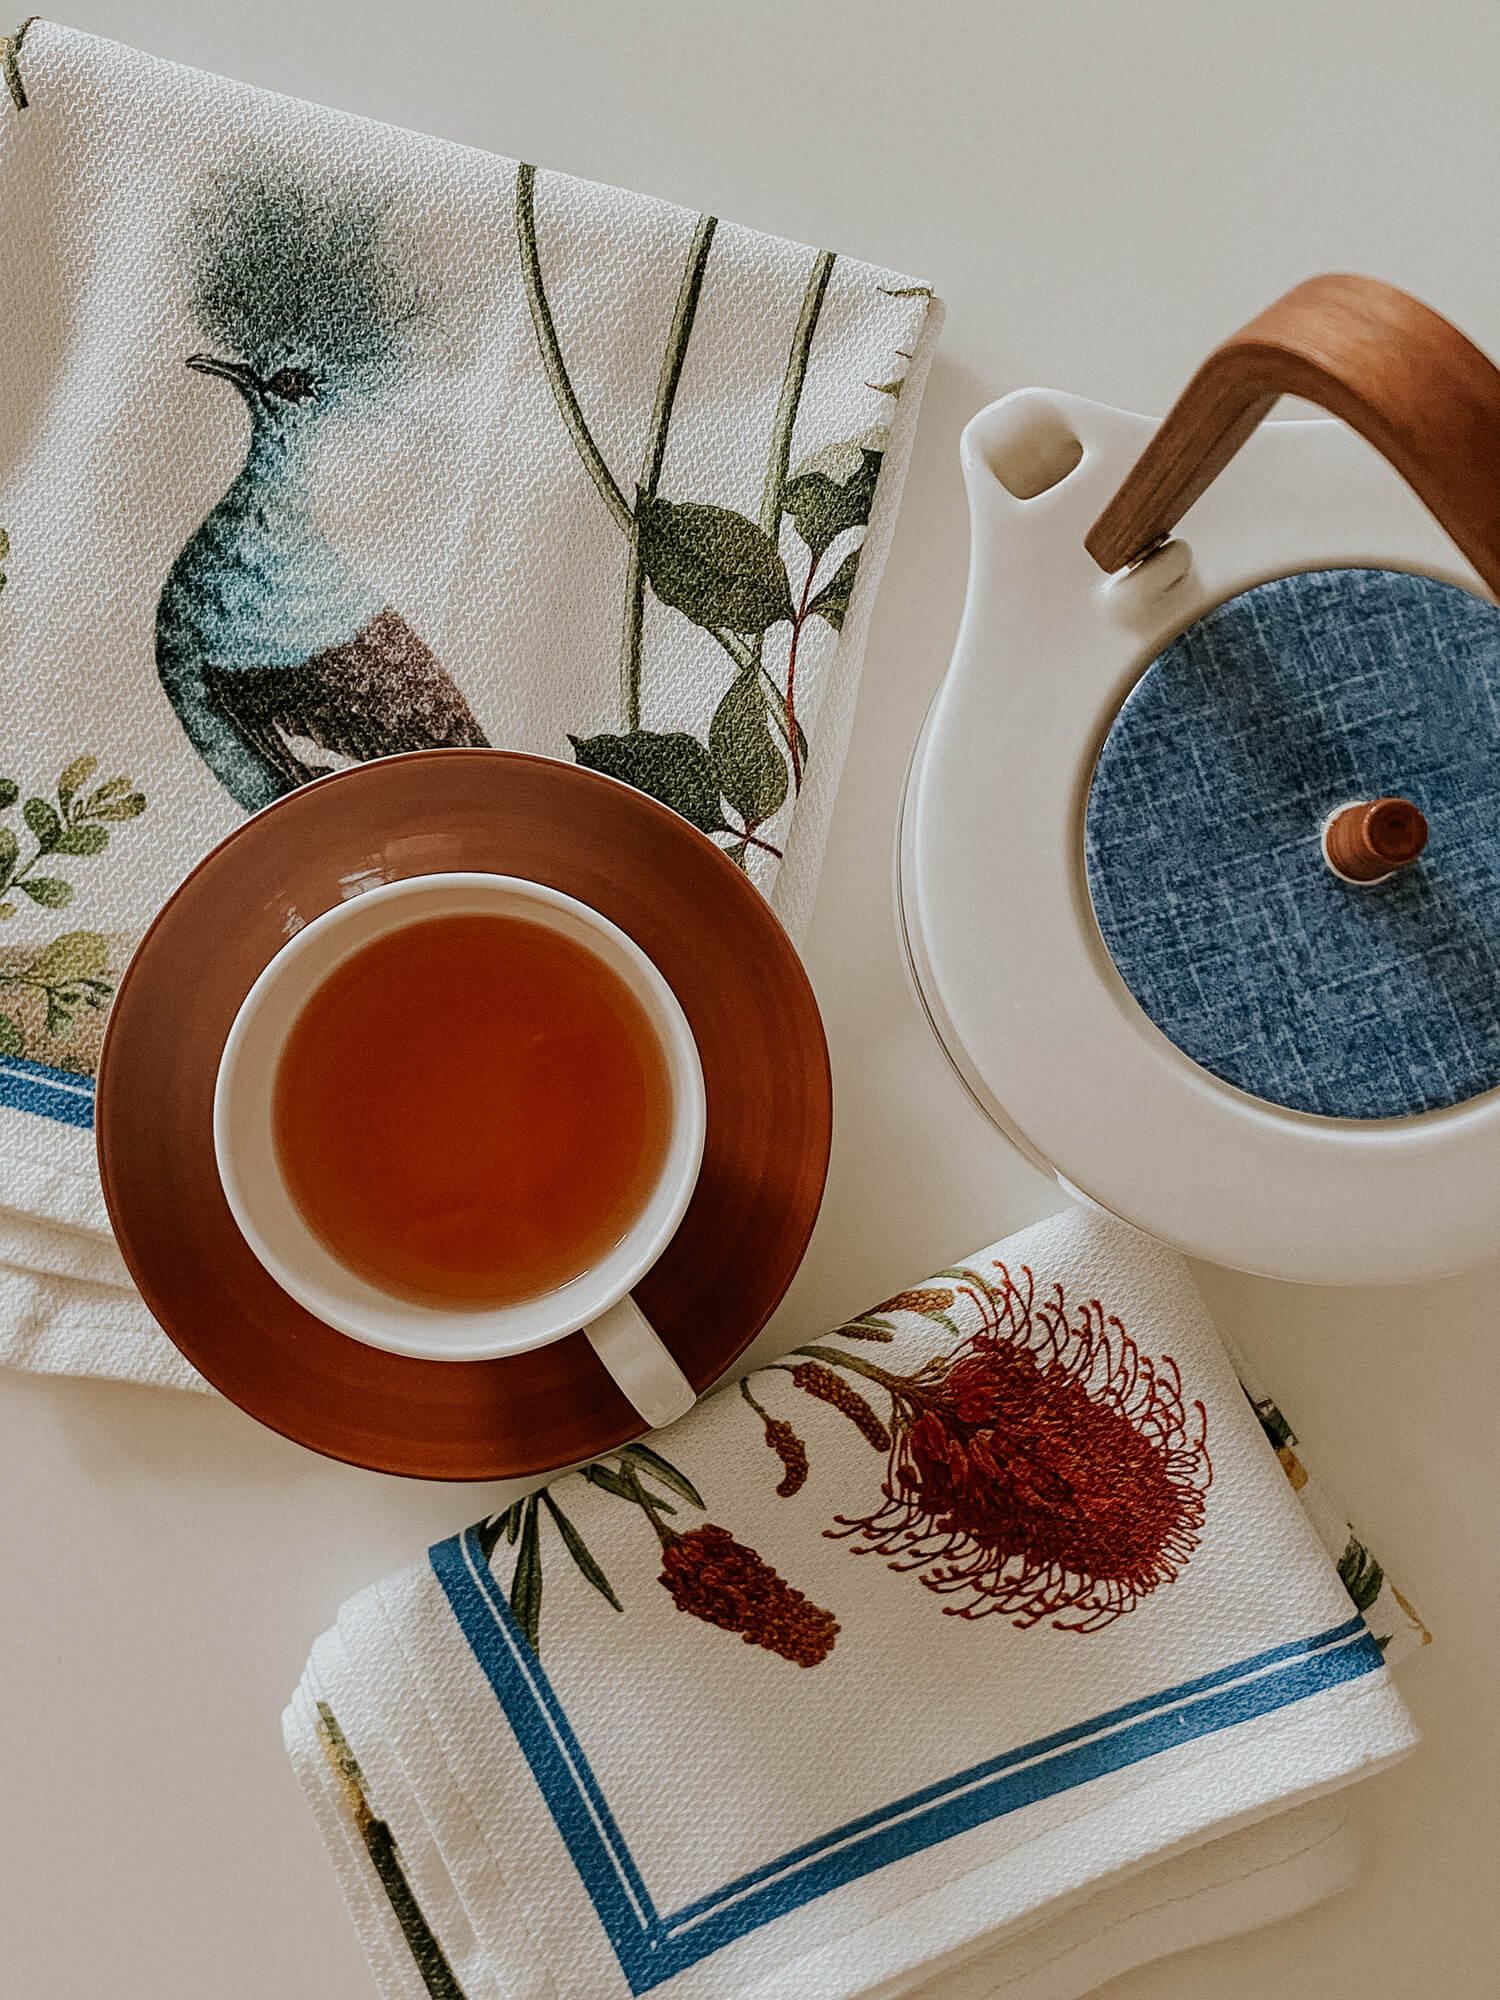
(1373, 839)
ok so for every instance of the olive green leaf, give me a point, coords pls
(12, 1041)
(611, 1482)
(1360, 1574)
(10, 849)
(10, 791)
(751, 770)
(822, 507)
(674, 768)
(714, 566)
(130, 806)
(83, 838)
(74, 778)
(75, 955)
(577, 1548)
(526, 1584)
(45, 825)
(653, 1462)
(905, 291)
(488, 1532)
(47, 890)
(843, 460)
(892, 388)
(832, 601)
(59, 1016)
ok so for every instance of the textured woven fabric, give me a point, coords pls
(1204, 862)
(460, 454)
(979, 1647)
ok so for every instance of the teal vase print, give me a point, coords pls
(270, 645)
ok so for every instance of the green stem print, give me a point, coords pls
(704, 1570)
(656, 451)
(68, 975)
(437, 1975)
(552, 361)
(722, 571)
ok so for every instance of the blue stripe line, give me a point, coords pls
(1013, 1790)
(541, 1689)
(49, 1093)
(547, 1741)
(1043, 1746)
(652, 1948)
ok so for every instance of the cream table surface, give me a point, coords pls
(1100, 190)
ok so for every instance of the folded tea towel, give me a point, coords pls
(462, 453)
(980, 1647)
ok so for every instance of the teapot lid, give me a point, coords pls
(1210, 881)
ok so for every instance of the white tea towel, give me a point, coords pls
(980, 1646)
(321, 441)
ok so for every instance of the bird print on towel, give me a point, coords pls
(273, 648)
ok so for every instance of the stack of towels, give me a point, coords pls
(981, 1647)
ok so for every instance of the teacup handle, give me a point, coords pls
(633, 1352)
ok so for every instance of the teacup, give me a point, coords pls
(597, 1300)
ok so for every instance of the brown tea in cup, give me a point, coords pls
(473, 1109)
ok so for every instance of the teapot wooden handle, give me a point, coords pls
(1395, 371)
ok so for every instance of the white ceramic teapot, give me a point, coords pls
(1162, 879)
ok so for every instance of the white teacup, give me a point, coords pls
(598, 1300)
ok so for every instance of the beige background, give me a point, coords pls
(1099, 190)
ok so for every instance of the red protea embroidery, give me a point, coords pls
(1044, 1467)
(718, 1579)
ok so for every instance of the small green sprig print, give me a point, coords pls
(68, 976)
(77, 825)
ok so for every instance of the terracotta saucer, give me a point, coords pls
(740, 983)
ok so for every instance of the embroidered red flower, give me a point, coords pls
(1045, 1468)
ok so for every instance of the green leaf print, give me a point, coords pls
(526, 1584)
(131, 806)
(751, 770)
(73, 956)
(610, 1482)
(507, 1524)
(823, 508)
(578, 1549)
(46, 827)
(47, 890)
(713, 565)
(74, 778)
(662, 1469)
(674, 768)
(86, 838)
(55, 984)
(1360, 1574)
(832, 601)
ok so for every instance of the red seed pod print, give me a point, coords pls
(713, 1577)
(1044, 1469)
